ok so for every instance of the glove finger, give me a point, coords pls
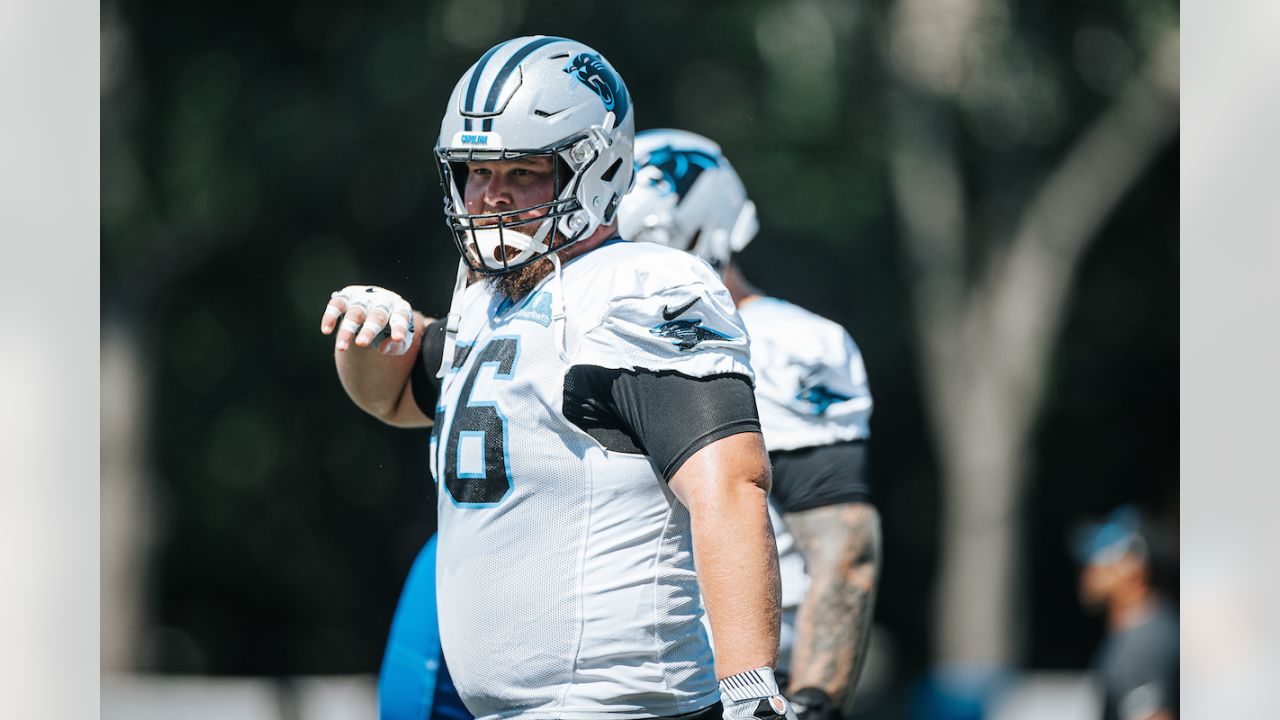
(401, 321)
(334, 310)
(350, 324)
(375, 319)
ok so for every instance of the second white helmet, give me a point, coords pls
(687, 196)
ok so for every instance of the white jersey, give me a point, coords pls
(565, 572)
(811, 385)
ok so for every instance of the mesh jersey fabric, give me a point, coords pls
(565, 571)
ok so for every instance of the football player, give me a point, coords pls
(811, 389)
(595, 435)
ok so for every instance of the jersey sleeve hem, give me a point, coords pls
(718, 433)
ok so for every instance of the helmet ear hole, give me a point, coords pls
(613, 170)
(611, 210)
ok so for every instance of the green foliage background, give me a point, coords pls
(257, 157)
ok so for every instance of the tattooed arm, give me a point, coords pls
(841, 547)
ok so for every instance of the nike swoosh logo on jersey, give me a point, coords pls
(679, 311)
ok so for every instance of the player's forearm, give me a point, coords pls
(737, 561)
(376, 382)
(841, 546)
(724, 485)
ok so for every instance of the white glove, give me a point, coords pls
(753, 695)
(372, 313)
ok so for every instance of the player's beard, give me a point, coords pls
(517, 283)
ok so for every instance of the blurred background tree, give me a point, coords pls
(989, 293)
(984, 193)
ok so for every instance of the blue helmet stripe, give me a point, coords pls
(501, 79)
(475, 79)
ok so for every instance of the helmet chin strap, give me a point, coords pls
(453, 319)
(559, 318)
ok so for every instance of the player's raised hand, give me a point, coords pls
(369, 312)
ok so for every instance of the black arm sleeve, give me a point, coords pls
(665, 415)
(425, 384)
(815, 477)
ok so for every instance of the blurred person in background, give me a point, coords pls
(1127, 559)
(414, 681)
(815, 407)
(594, 425)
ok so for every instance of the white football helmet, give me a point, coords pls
(687, 196)
(537, 96)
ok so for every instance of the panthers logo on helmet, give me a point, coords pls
(681, 168)
(591, 71)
